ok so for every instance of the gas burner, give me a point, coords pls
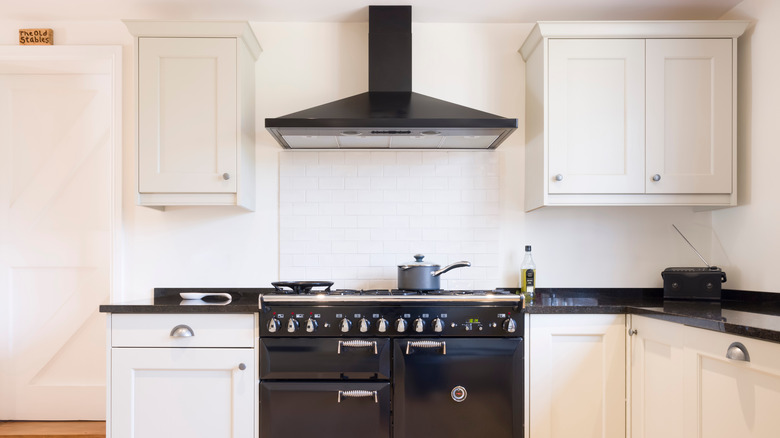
(406, 292)
(342, 292)
(374, 292)
(300, 287)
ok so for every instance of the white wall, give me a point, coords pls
(306, 64)
(749, 236)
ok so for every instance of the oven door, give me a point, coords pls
(447, 387)
(324, 358)
(325, 409)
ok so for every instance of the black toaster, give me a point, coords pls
(698, 283)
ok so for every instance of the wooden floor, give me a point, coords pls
(53, 429)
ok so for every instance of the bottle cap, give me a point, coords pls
(528, 248)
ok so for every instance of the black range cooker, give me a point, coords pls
(382, 363)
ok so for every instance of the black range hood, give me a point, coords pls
(390, 115)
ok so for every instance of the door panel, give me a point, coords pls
(182, 392)
(487, 373)
(656, 378)
(58, 211)
(187, 111)
(577, 376)
(312, 409)
(689, 115)
(596, 116)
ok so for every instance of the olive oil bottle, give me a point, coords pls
(528, 276)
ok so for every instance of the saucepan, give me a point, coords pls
(419, 275)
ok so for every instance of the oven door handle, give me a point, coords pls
(426, 344)
(358, 393)
(357, 343)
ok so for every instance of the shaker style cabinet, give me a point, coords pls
(656, 359)
(576, 376)
(631, 113)
(195, 112)
(691, 382)
(192, 375)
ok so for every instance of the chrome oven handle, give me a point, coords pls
(358, 393)
(426, 344)
(357, 343)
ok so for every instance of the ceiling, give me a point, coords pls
(472, 11)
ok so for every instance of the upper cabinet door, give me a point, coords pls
(187, 115)
(689, 115)
(596, 115)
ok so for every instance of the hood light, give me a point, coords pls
(350, 133)
(430, 133)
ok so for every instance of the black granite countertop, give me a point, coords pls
(751, 314)
(168, 300)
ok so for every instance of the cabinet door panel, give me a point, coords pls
(596, 116)
(187, 110)
(689, 115)
(727, 398)
(577, 376)
(656, 379)
(182, 392)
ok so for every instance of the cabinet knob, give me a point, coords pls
(559, 177)
(182, 331)
(242, 366)
(226, 176)
(737, 351)
(656, 177)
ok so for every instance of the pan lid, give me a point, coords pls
(418, 261)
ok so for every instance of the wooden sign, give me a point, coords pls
(36, 37)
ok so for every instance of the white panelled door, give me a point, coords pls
(60, 119)
(597, 115)
(689, 115)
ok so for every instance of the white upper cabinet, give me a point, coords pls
(689, 115)
(631, 113)
(195, 109)
(597, 107)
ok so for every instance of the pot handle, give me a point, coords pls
(461, 264)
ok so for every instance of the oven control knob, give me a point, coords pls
(311, 325)
(400, 325)
(438, 325)
(364, 325)
(419, 325)
(381, 325)
(273, 325)
(292, 325)
(345, 325)
(510, 326)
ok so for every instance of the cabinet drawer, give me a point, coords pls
(208, 330)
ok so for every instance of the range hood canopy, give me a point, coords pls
(390, 115)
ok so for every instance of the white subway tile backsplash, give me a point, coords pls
(353, 216)
(383, 157)
(422, 170)
(331, 158)
(319, 170)
(409, 157)
(346, 170)
(435, 157)
(333, 183)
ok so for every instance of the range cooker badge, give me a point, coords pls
(458, 393)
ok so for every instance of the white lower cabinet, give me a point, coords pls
(656, 379)
(577, 376)
(683, 383)
(727, 398)
(174, 386)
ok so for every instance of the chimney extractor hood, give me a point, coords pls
(390, 115)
